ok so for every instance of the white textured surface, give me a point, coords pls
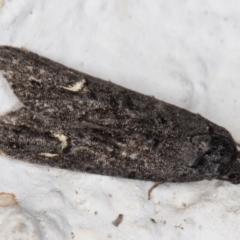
(183, 52)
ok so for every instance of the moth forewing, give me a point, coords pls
(75, 121)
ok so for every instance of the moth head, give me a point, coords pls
(218, 156)
(234, 175)
(223, 152)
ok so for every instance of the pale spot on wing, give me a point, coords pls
(42, 71)
(33, 79)
(76, 87)
(63, 139)
(50, 155)
(15, 61)
(133, 156)
(124, 154)
(30, 68)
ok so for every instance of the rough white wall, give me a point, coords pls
(183, 52)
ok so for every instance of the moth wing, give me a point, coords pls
(55, 91)
(21, 140)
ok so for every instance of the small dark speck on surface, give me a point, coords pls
(184, 204)
(153, 220)
(118, 220)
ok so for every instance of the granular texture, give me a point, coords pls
(78, 122)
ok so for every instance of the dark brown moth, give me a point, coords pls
(78, 122)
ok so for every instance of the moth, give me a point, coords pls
(71, 120)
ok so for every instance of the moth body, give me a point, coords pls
(74, 121)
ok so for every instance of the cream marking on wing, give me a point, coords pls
(124, 154)
(33, 78)
(50, 155)
(42, 71)
(133, 156)
(63, 139)
(15, 61)
(30, 68)
(76, 87)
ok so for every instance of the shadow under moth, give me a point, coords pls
(74, 121)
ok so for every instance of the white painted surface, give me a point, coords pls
(183, 52)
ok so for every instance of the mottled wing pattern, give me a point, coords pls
(75, 121)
